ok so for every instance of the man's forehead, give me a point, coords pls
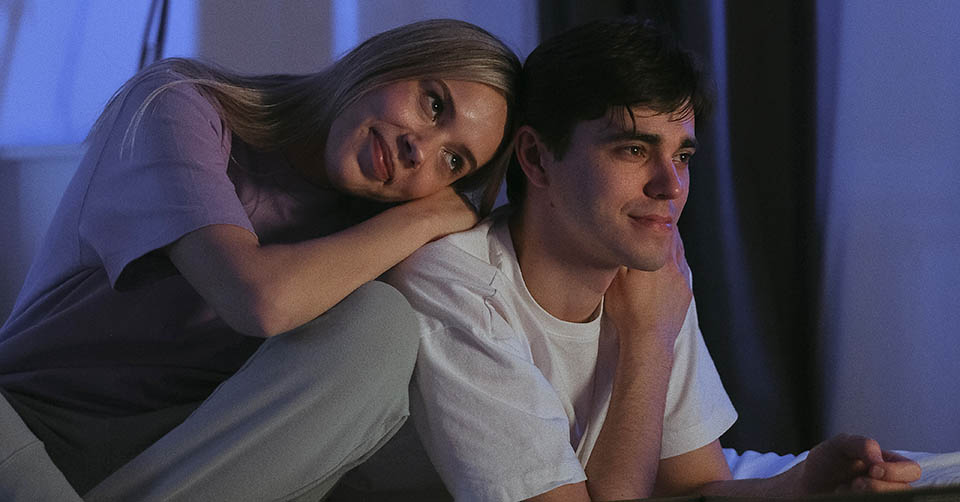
(626, 117)
(623, 123)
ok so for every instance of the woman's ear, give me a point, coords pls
(531, 154)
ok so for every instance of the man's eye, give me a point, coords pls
(635, 150)
(684, 158)
(454, 161)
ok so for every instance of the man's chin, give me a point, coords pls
(649, 262)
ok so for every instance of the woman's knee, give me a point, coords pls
(381, 317)
(372, 329)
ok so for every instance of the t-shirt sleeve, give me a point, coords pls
(489, 420)
(698, 410)
(165, 180)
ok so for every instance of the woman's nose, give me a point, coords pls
(411, 153)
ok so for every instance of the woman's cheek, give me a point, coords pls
(425, 185)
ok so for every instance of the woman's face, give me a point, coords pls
(411, 138)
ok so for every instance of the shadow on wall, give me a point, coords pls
(32, 179)
(15, 260)
(257, 37)
(12, 267)
(12, 11)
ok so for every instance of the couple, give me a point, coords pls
(213, 211)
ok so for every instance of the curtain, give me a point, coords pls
(750, 227)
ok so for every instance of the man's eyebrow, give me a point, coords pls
(653, 139)
(451, 110)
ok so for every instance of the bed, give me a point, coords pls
(939, 469)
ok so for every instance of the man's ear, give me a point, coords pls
(531, 154)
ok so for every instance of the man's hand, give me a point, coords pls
(648, 310)
(643, 303)
(853, 463)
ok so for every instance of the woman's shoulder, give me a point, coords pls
(165, 87)
(156, 103)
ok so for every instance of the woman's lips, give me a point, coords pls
(380, 158)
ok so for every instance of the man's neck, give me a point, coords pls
(565, 285)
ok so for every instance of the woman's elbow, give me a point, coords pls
(261, 312)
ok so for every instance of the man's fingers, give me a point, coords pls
(903, 471)
(679, 256)
(885, 466)
(866, 484)
(859, 447)
(892, 456)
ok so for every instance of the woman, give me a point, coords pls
(212, 211)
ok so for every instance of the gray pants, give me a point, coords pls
(308, 406)
(26, 471)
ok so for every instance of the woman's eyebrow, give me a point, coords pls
(467, 154)
(447, 98)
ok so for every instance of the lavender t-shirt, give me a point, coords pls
(104, 325)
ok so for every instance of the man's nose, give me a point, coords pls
(665, 182)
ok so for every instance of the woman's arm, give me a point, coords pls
(267, 290)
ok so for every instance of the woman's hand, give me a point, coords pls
(448, 211)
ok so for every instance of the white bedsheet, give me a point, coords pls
(938, 468)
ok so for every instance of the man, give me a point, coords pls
(560, 354)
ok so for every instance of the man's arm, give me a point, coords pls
(648, 309)
(690, 472)
(623, 464)
(843, 463)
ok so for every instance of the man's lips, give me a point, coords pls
(380, 157)
(653, 221)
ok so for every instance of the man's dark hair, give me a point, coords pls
(593, 69)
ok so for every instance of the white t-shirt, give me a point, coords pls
(509, 400)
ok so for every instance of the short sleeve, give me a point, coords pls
(489, 420)
(172, 179)
(491, 423)
(698, 410)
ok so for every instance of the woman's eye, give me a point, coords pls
(436, 105)
(454, 161)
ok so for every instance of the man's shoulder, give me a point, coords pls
(472, 256)
(454, 277)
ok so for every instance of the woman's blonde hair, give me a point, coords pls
(273, 111)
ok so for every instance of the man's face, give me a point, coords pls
(617, 193)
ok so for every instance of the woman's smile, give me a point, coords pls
(381, 158)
